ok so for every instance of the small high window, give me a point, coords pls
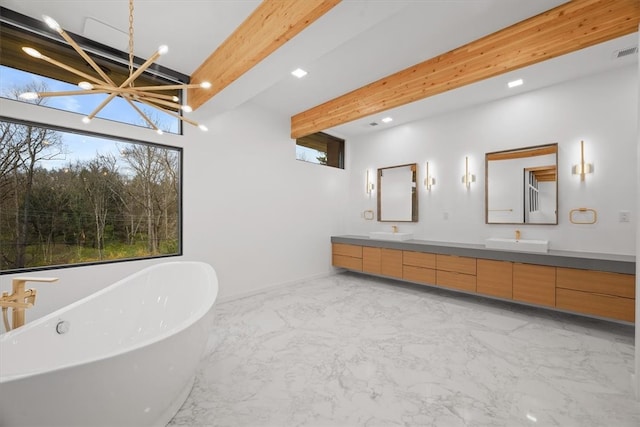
(321, 148)
(21, 73)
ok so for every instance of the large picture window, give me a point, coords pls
(70, 198)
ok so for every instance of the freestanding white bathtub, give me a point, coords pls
(129, 356)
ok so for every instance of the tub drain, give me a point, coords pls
(62, 327)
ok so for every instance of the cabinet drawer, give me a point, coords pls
(535, 284)
(419, 259)
(419, 274)
(347, 250)
(448, 279)
(495, 278)
(622, 285)
(391, 263)
(456, 264)
(371, 259)
(596, 304)
(348, 262)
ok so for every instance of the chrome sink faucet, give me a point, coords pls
(19, 300)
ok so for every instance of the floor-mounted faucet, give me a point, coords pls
(19, 300)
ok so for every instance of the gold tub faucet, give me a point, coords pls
(19, 300)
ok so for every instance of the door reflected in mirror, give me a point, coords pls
(397, 193)
(521, 186)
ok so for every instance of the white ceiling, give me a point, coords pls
(357, 42)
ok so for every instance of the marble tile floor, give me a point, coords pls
(353, 350)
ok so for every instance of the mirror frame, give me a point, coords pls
(414, 193)
(543, 149)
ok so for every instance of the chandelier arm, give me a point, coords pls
(72, 70)
(134, 91)
(171, 113)
(170, 87)
(142, 68)
(102, 105)
(70, 93)
(142, 114)
(162, 102)
(84, 55)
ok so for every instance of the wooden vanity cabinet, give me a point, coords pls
(456, 272)
(381, 261)
(391, 263)
(371, 260)
(596, 292)
(419, 267)
(346, 256)
(495, 278)
(535, 284)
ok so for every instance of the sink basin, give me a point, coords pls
(388, 235)
(517, 245)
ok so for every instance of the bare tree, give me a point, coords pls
(26, 146)
(145, 161)
(100, 178)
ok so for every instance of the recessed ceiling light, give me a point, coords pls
(515, 83)
(299, 73)
(387, 120)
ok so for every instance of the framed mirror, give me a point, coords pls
(521, 186)
(397, 193)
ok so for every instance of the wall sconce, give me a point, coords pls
(582, 168)
(429, 181)
(370, 185)
(467, 178)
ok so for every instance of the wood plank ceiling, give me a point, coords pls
(272, 24)
(569, 27)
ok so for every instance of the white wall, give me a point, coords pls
(636, 377)
(257, 215)
(602, 110)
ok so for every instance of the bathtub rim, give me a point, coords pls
(203, 310)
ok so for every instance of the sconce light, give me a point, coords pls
(467, 178)
(429, 181)
(370, 186)
(582, 168)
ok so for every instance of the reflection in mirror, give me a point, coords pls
(522, 186)
(397, 195)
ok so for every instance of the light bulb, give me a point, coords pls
(203, 128)
(85, 85)
(51, 23)
(175, 99)
(29, 96)
(86, 120)
(159, 131)
(205, 85)
(32, 52)
(163, 49)
(186, 108)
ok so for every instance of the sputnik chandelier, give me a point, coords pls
(91, 85)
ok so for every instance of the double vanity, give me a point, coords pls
(521, 188)
(599, 285)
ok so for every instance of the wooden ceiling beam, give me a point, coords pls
(569, 27)
(272, 24)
